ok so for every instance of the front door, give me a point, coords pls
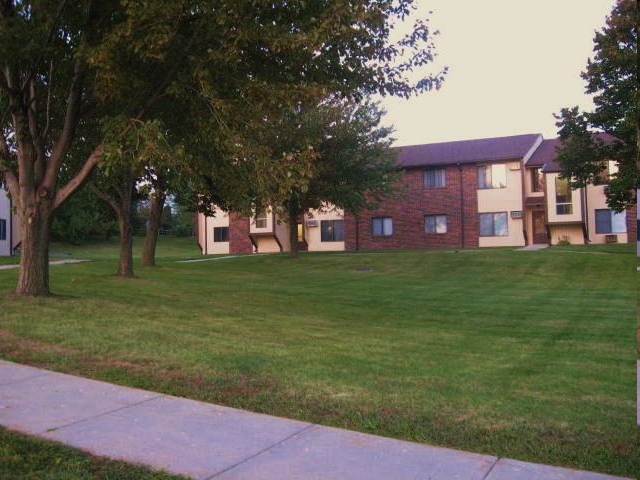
(539, 227)
(302, 244)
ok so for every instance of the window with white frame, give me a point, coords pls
(564, 203)
(492, 176)
(434, 178)
(435, 223)
(382, 226)
(261, 219)
(3, 229)
(608, 221)
(494, 224)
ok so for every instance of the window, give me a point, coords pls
(332, 230)
(537, 180)
(564, 204)
(604, 175)
(435, 223)
(382, 226)
(494, 224)
(3, 229)
(434, 178)
(608, 221)
(261, 219)
(492, 176)
(220, 234)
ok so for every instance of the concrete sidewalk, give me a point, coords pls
(205, 441)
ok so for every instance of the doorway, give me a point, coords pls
(540, 234)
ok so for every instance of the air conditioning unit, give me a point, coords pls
(312, 223)
(611, 239)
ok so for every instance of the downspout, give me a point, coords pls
(461, 207)
(523, 171)
(585, 216)
(206, 229)
(357, 233)
(10, 222)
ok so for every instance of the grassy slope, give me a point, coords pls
(528, 355)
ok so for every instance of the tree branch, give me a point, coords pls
(105, 197)
(36, 137)
(49, 84)
(61, 147)
(80, 178)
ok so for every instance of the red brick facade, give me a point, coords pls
(239, 240)
(458, 200)
(632, 224)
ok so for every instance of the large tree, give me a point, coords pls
(612, 76)
(70, 66)
(341, 154)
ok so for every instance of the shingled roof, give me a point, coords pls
(545, 155)
(467, 151)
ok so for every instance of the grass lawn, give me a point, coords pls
(26, 458)
(528, 355)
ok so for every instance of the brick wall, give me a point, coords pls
(632, 225)
(409, 208)
(239, 241)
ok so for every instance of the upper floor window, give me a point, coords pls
(492, 176)
(261, 219)
(332, 231)
(381, 226)
(604, 175)
(564, 203)
(537, 180)
(608, 221)
(434, 178)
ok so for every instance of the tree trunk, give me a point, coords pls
(125, 263)
(151, 238)
(293, 231)
(121, 205)
(35, 229)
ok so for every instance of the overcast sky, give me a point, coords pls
(512, 65)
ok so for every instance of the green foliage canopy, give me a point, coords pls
(612, 76)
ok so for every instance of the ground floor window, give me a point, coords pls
(493, 224)
(608, 221)
(221, 234)
(3, 229)
(332, 230)
(382, 226)
(435, 223)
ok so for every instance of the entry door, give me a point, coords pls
(539, 227)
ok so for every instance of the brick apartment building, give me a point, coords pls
(491, 192)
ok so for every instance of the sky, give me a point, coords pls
(512, 65)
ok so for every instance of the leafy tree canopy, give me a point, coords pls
(612, 77)
(70, 68)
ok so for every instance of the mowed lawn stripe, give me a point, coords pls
(529, 355)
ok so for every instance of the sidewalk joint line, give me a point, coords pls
(486, 475)
(266, 449)
(55, 429)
